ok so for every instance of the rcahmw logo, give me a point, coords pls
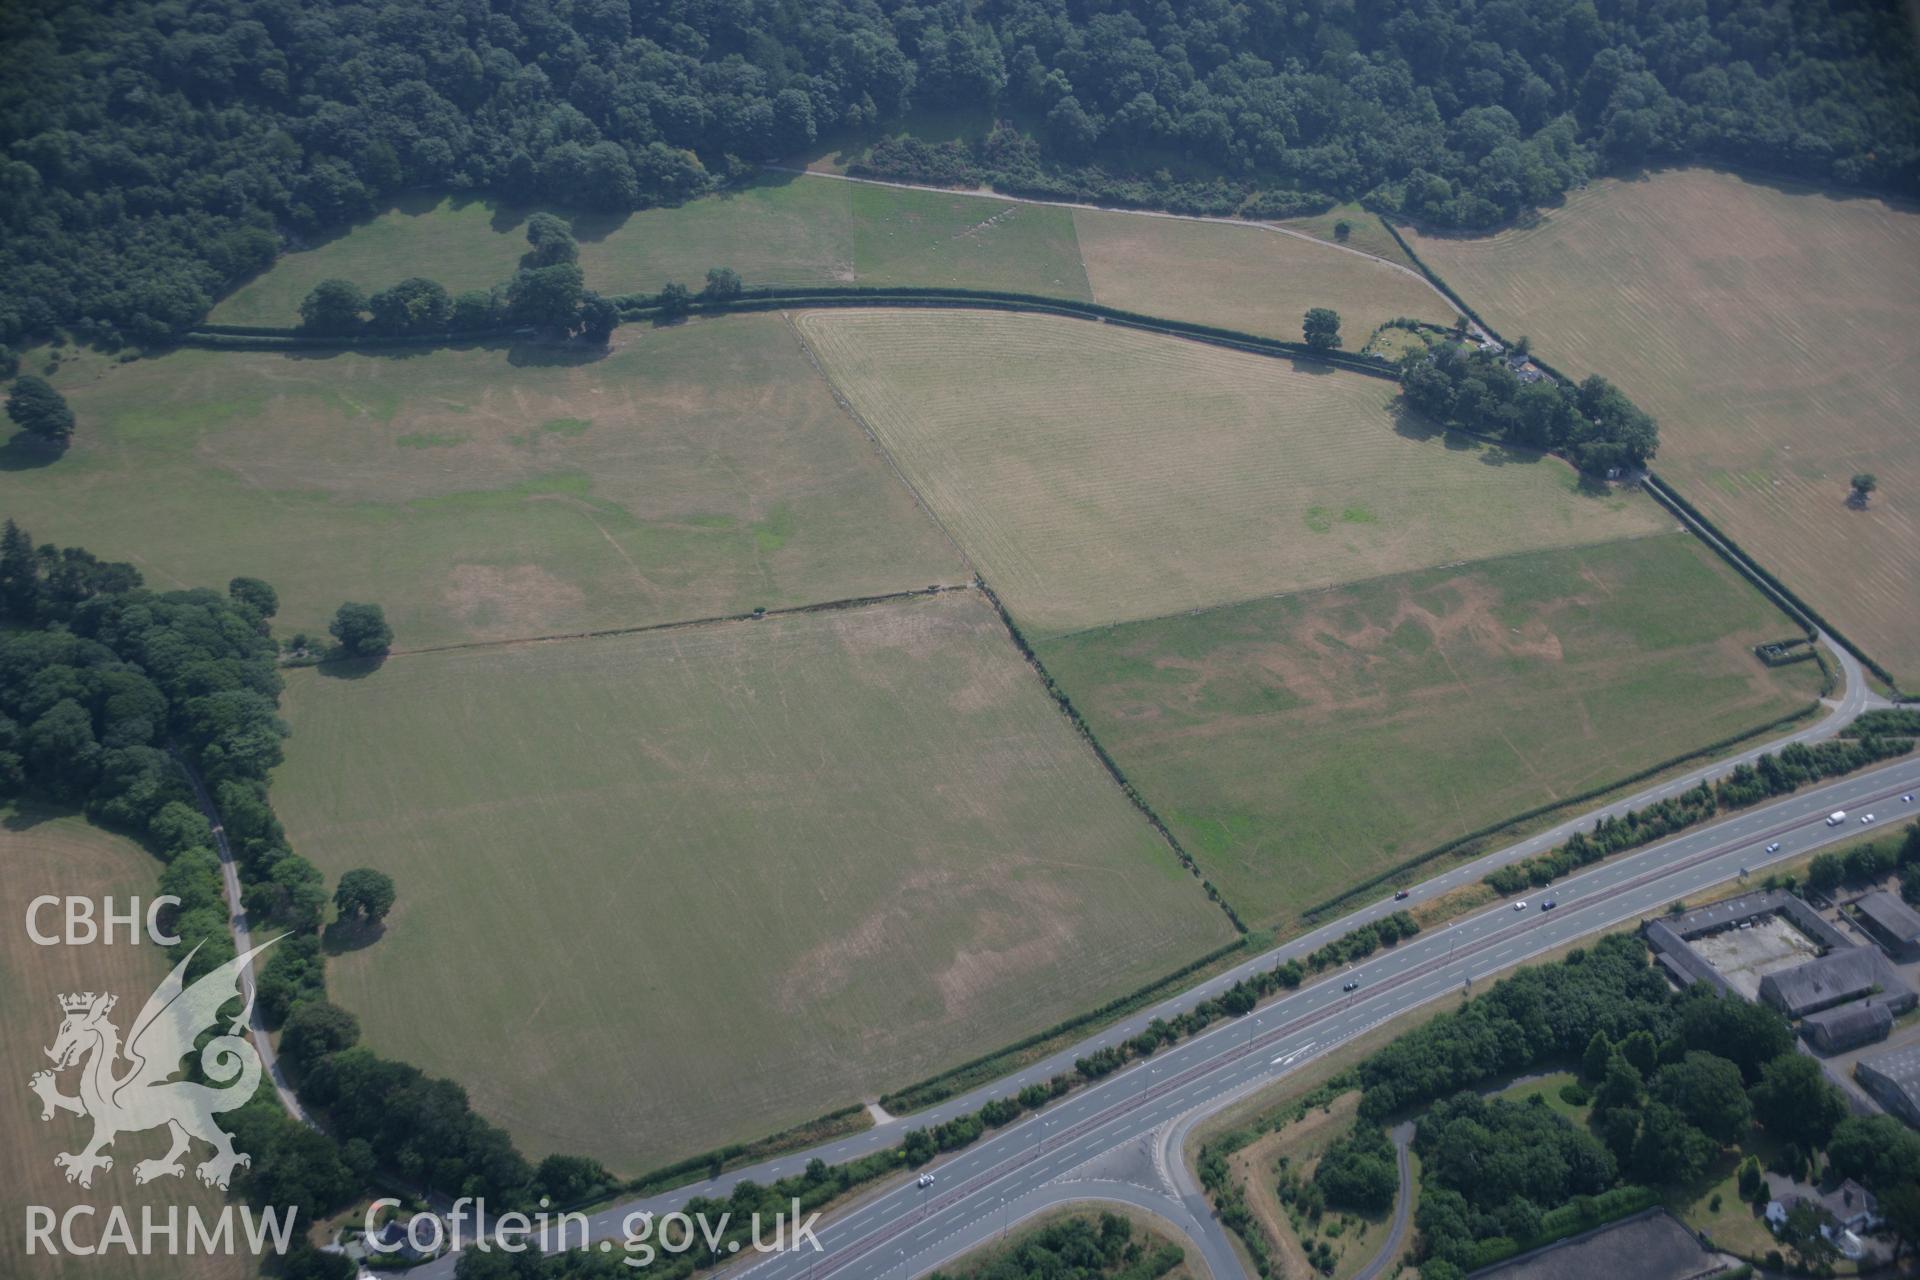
(129, 1086)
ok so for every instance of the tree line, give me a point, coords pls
(548, 295)
(1498, 393)
(156, 156)
(102, 682)
(1771, 774)
(1673, 1080)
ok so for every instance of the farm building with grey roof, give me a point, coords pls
(1848, 1026)
(1893, 924)
(1836, 978)
(1893, 1078)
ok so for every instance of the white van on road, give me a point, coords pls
(1837, 817)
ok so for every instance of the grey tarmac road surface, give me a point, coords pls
(1402, 1135)
(906, 1230)
(243, 943)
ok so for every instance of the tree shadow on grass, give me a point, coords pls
(408, 352)
(507, 218)
(1318, 368)
(1500, 455)
(350, 668)
(343, 936)
(28, 452)
(25, 816)
(592, 228)
(524, 355)
(1410, 423)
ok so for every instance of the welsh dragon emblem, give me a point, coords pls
(126, 1088)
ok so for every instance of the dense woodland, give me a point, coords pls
(1674, 1080)
(155, 154)
(106, 690)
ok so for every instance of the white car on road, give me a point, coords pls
(1865, 818)
(1520, 905)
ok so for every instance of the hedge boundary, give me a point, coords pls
(909, 1100)
(636, 307)
(1741, 559)
(1111, 765)
(1731, 551)
(680, 1172)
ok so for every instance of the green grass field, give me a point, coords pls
(42, 854)
(795, 229)
(482, 494)
(1246, 277)
(661, 892)
(1364, 232)
(781, 229)
(1298, 745)
(1773, 332)
(1102, 475)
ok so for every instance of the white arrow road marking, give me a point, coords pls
(1289, 1057)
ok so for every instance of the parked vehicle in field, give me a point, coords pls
(1837, 817)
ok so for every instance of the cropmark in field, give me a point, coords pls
(1301, 744)
(489, 493)
(723, 879)
(1097, 475)
(1775, 333)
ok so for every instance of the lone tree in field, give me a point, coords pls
(1322, 328)
(364, 894)
(37, 409)
(1863, 486)
(362, 630)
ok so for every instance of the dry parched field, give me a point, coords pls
(721, 879)
(1776, 335)
(1098, 475)
(1246, 277)
(62, 856)
(481, 494)
(1301, 744)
